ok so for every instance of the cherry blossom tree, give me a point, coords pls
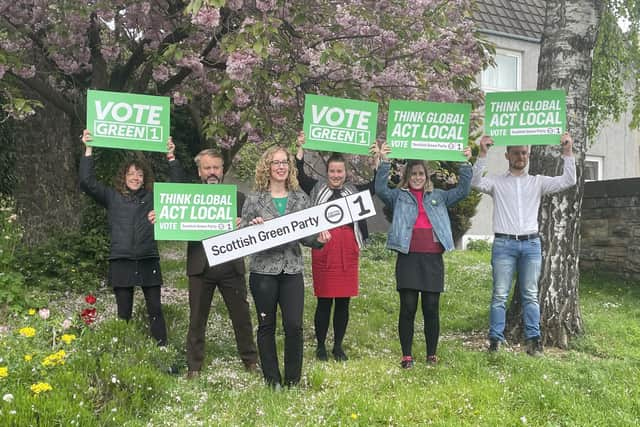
(240, 68)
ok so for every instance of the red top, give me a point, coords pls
(423, 238)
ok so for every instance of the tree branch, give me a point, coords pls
(46, 92)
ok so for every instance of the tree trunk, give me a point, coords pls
(46, 192)
(565, 63)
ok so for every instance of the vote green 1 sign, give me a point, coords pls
(525, 118)
(193, 211)
(428, 130)
(129, 121)
(338, 124)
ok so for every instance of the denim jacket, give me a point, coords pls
(286, 258)
(405, 208)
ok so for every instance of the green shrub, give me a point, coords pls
(12, 282)
(480, 245)
(68, 261)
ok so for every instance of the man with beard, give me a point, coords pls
(516, 245)
(229, 277)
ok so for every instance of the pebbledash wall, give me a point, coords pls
(611, 226)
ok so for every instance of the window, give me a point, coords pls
(593, 168)
(505, 75)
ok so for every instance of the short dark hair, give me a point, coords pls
(336, 158)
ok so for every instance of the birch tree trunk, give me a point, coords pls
(565, 63)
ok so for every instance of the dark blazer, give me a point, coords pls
(196, 258)
(130, 231)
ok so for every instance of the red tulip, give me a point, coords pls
(90, 299)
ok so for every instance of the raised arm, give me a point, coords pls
(306, 182)
(88, 182)
(568, 177)
(478, 180)
(463, 188)
(176, 172)
(386, 194)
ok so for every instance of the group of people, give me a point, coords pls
(420, 232)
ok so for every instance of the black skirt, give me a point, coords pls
(420, 271)
(127, 273)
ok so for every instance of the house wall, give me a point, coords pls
(611, 227)
(616, 144)
(482, 227)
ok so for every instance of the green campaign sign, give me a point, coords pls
(338, 124)
(129, 121)
(428, 130)
(525, 118)
(193, 211)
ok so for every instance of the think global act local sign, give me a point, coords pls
(428, 130)
(287, 228)
(193, 211)
(526, 118)
(128, 121)
(339, 124)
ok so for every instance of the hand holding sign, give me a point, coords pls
(485, 143)
(86, 138)
(567, 144)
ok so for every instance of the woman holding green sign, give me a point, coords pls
(420, 232)
(335, 266)
(133, 259)
(276, 274)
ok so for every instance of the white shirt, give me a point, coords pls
(516, 199)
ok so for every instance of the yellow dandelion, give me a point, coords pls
(54, 359)
(354, 416)
(4, 371)
(32, 311)
(41, 387)
(68, 338)
(28, 357)
(27, 332)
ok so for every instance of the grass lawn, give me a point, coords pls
(114, 375)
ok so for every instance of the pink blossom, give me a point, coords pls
(266, 5)
(44, 313)
(208, 17)
(67, 323)
(192, 62)
(179, 98)
(240, 65)
(160, 73)
(110, 53)
(26, 72)
(234, 4)
(241, 99)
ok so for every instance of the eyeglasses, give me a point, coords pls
(276, 163)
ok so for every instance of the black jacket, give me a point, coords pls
(130, 231)
(196, 258)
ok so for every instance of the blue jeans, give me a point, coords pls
(508, 257)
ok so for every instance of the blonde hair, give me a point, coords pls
(404, 182)
(263, 170)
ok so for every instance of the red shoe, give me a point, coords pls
(432, 360)
(407, 362)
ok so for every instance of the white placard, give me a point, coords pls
(284, 229)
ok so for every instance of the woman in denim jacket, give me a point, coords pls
(420, 232)
(276, 274)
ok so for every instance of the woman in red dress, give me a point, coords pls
(335, 266)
